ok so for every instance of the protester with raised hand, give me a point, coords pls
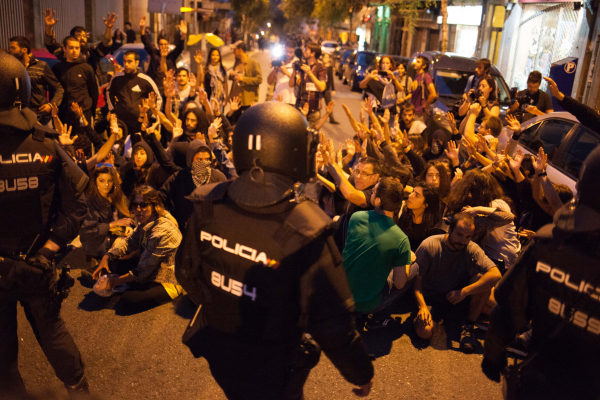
(161, 59)
(586, 115)
(90, 54)
(128, 89)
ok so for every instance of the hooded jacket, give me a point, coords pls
(442, 135)
(180, 185)
(155, 178)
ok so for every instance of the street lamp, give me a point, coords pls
(269, 24)
(262, 33)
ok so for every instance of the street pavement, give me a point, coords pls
(142, 357)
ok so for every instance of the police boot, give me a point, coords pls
(81, 391)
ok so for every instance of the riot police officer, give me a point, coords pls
(41, 208)
(556, 286)
(265, 269)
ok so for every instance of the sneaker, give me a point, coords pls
(467, 339)
(388, 322)
(520, 345)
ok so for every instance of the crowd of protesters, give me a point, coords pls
(427, 216)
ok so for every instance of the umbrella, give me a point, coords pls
(212, 39)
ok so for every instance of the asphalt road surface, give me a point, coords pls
(142, 357)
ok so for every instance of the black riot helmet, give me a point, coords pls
(275, 137)
(15, 87)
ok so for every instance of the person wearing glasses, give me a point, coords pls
(357, 190)
(145, 261)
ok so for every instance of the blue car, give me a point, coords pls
(340, 60)
(356, 67)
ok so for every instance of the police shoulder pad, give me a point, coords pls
(41, 132)
(210, 192)
(308, 220)
(545, 232)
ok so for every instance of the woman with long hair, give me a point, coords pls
(420, 213)
(381, 85)
(490, 107)
(107, 216)
(436, 173)
(215, 78)
(150, 278)
(479, 194)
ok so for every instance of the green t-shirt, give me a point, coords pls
(374, 245)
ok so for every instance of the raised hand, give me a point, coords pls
(515, 163)
(458, 174)
(154, 128)
(329, 108)
(469, 146)
(379, 138)
(451, 120)
(142, 24)
(144, 107)
(386, 117)
(475, 108)
(202, 96)
(362, 131)
(482, 143)
(304, 110)
(169, 88)
(177, 130)
(350, 148)
(199, 57)
(50, 18)
(368, 107)
(114, 126)
(152, 101)
(110, 20)
(363, 147)
(279, 98)
(77, 110)
(65, 136)
(554, 89)
(452, 152)
(214, 103)
(540, 161)
(192, 81)
(213, 129)
(234, 104)
(513, 123)
(339, 154)
(183, 28)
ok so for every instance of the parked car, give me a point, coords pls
(566, 141)
(340, 60)
(356, 66)
(329, 47)
(450, 73)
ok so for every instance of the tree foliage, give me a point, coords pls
(330, 12)
(252, 14)
(409, 10)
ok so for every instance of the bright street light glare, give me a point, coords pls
(277, 51)
(262, 33)
(269, 24)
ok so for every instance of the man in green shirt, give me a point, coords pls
(377, 252)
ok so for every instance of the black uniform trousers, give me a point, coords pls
(43, 314)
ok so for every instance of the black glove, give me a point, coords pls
(493, 369)
(42, 260)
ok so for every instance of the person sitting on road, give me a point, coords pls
(181, 184)
(420, 213)
(107, 218)
(451, 267)
(408, 121)
(150, 277)
(377, 254)
(436, 173)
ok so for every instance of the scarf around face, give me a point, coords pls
(201, 172)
